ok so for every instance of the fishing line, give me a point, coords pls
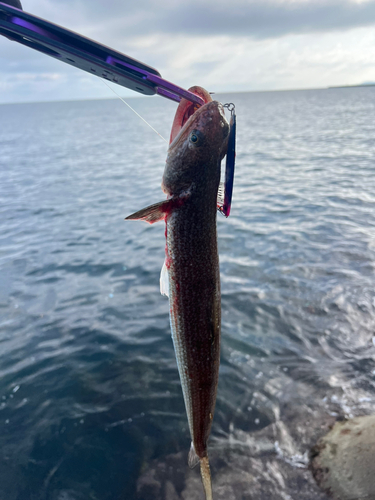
(134, 111)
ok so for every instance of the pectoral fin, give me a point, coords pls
(152, 213)
(158, 211)
(164, 281)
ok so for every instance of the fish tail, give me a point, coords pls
(206, 477)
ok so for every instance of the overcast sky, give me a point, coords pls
(231, 45)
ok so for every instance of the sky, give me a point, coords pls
(231, 45)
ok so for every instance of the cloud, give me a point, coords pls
(261, 19)
(293, 61)
(241, 45)
(254, 18)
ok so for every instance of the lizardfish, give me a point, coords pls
(190, 275)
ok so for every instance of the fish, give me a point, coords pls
(190, 275)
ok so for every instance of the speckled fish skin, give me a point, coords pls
(192, 172)
(191, 180)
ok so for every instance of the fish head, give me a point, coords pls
(186, 109)
(197, 148)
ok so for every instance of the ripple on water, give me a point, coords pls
(89, 389)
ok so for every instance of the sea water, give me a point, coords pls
(90, 400)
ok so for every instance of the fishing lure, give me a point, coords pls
(226, 188)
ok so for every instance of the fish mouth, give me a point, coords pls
(209, 117)
(186, 109)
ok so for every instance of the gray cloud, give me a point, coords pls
(239, 45)
(257, 19)
(272, 19)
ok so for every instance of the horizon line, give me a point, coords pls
(370, 84)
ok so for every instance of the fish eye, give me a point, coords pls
(196, 137)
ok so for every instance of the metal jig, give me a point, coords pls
(225, 207)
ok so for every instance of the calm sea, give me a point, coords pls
(90, 400)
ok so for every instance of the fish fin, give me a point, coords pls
(164, 281)
(152, 213)
(193, 458)
(206, 477)
(220, 195)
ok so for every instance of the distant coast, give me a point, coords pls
(370, 84)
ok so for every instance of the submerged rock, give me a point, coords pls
(268, 464)
(343, 460)
(235, 476)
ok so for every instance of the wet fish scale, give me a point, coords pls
(195, 310)
(190, 275)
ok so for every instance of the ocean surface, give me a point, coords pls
(90, 400)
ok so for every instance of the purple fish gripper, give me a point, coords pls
(88, 55)
(164, 88)
(102, 61)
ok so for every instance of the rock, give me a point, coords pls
(343, 461)
(235, 474)
(267, 464)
